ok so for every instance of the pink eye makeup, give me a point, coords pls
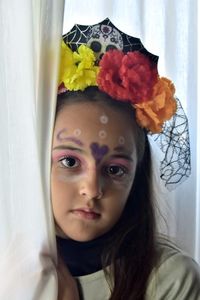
(123, 161)
(69, 166)
(119, 168)
(115, 171)
(68, 159)
(70, 162)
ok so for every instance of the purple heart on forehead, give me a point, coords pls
(98, 151)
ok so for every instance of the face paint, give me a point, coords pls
(104, 119)
(77, 132)
(74, 140)
(98, 152)
(124, 167)
(61, 138)
(102, 134)
(59, 134)
(69, 172)
(121, 140)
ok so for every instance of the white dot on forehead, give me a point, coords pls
(77, 132)
(102, 134)
(104, 119)
(121, 140)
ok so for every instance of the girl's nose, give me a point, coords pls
(91, 187)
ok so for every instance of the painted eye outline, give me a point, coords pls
(123, 171)
(62, 165)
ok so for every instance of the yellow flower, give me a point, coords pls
(85, 57)
(66, 60)
(78, 69)
(152, 114)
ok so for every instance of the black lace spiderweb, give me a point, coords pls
(174, 143)
(80, 34)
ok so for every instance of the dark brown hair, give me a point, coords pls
(131, 251)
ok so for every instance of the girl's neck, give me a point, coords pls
(83, 258)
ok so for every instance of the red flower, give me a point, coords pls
(128, 77)
(138, 76)
(108, 77)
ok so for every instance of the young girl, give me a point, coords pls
(101, 179)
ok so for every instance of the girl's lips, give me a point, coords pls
(85, 213)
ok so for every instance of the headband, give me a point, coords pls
(102, 55)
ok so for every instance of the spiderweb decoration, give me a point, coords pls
(174, 140)
(104, 36)
(174, 144)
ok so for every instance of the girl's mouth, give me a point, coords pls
(86, 213)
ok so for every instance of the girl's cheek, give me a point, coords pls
(69, 178)
(123, 183)
(63, 175)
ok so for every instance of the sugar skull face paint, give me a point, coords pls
(121, 140)
(104, 119)
(77, 132)
(98, 151)
(91, 180)
(102, 134)
(62, 137)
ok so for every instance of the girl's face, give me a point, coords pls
(93, 167)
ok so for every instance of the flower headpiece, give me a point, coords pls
(131, 77)
(102, 55)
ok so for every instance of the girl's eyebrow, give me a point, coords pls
(122, 153)
(65, 147)
(72, 139)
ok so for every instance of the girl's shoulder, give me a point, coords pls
(93, 286)
(176, 275)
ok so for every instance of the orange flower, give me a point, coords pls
(152, 114)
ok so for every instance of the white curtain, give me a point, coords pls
(30, 34)
(167, 28)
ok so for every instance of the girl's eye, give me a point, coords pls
(116, 171)
(69, 162)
